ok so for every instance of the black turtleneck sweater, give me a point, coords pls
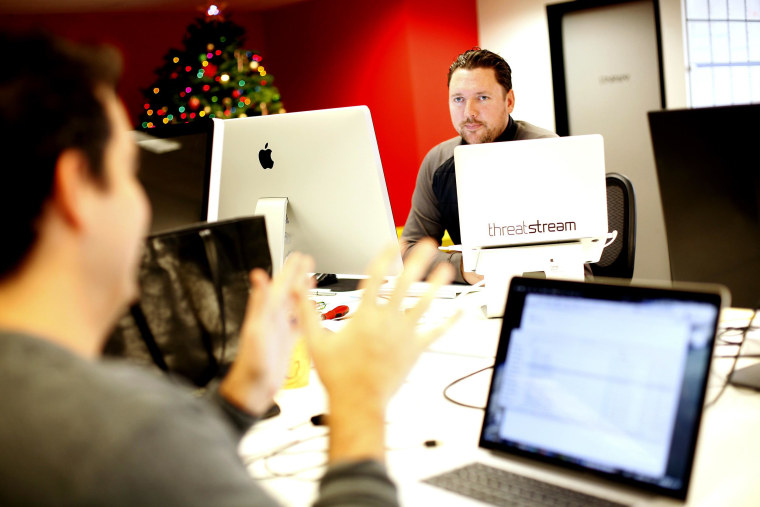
(445, 187)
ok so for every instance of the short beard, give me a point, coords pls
(486, 136)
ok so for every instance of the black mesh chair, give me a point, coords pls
(617, 259)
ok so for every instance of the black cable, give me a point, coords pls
(739, 331)
(738, 328)
(736, 358)
(452, 400)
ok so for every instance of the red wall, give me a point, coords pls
(392, 56)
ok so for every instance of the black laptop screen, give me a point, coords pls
(175, 162)
(709, 183)
(603, 378)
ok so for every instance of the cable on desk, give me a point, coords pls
(736, 357)
(294, 474)
(452, 384)
(740, 332)
(738, 328)
(737, 331)
(282, 450)
(317, 420)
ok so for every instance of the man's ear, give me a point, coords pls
(72, 187)
(510, 101)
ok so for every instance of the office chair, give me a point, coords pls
(617, 259)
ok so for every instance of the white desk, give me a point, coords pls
(725, 471)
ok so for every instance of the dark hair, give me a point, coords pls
(477, 58)
(48, 103)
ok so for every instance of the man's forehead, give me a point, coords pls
(484, 77)
(120, 142)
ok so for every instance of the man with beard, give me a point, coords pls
(481, 100)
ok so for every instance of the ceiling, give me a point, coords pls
(59, 6)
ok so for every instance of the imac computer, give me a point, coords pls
(531, 206)
(175, 162)
(707, 169)
(317, 178)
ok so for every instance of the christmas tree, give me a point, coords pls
(212, 77)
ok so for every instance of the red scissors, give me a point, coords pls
(335, 313)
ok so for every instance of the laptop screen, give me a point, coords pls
(175, 165)
(710, 190)
(604, 378)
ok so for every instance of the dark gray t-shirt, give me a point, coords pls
(79, 432)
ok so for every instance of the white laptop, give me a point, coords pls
(597, 389)
(529, 192)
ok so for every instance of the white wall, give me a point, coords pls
(517, 30)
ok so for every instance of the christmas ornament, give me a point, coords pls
(214, 10)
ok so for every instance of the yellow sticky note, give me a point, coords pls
(300, 365)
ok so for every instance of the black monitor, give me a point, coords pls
(709, 177)
(175, 163)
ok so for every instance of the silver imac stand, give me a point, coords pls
(275, 213)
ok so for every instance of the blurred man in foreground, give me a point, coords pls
(80, 430)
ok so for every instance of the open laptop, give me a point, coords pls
(530, 206)
(598, 388)
(531, 192)
(175, 165)
(710, 190)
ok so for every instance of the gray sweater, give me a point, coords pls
(79, 432)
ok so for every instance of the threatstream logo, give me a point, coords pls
(530, 228)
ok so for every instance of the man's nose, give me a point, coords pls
(471, 109)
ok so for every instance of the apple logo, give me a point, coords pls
(265, 157)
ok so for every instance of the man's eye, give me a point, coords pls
(483, 97)
(457, 100)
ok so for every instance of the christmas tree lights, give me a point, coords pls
(212, 77)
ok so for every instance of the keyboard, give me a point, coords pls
(499, 487)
